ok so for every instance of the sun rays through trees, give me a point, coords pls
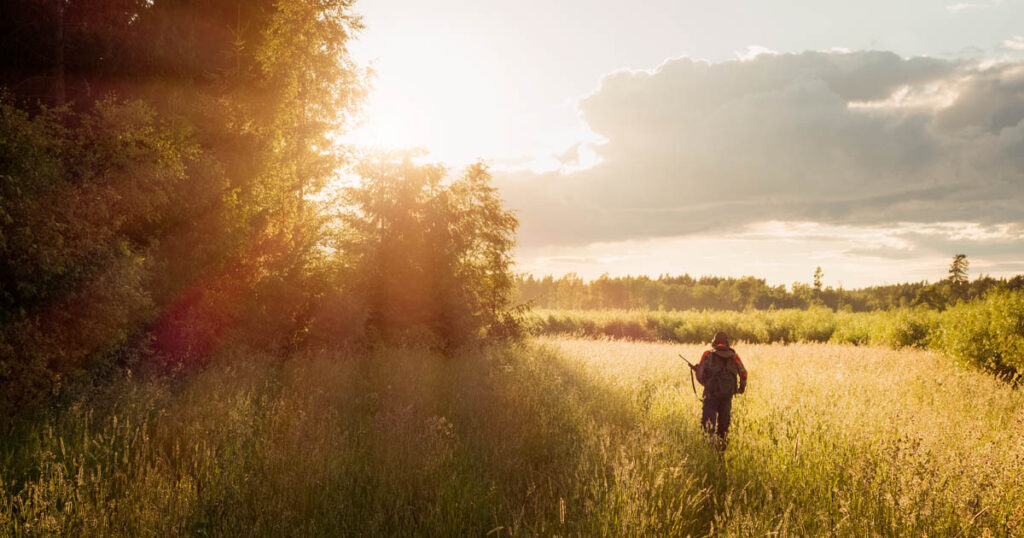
(182, 200)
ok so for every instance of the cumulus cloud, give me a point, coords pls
(851, 138)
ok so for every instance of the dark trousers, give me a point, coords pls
(717, 410)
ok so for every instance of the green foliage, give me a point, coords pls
(201, 211)
(429, 254)
(988, 332)
(689, 326)
(186, 210)
(906, 328)
(77, 206)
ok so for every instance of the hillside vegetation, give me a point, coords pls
(563, 436)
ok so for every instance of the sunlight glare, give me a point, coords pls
(458, 100)
(436, 94)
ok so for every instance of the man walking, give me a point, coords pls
(722, 374)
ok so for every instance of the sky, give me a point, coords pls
(875, 139)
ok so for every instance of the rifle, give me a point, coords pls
(692, 369)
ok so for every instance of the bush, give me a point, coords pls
(75, 273)
(988, 333)
(905, 328)
(854, 329)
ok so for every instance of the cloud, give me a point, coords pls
(1014, 43)
(964, 6)
(753, 51)
(903, 240)
(852, 138)
(783, 252)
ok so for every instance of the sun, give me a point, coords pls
(437, 96)
(383, 126)
(462, 99)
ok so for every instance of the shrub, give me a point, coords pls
(988, 333)
(904, 327)
(75, 268)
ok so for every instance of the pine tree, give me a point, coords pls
(958, 277)
(958, 269)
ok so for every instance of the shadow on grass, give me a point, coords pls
(489, 441)
(492, 441)
(509, 442)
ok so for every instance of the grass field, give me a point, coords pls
(560, 436)
(839, 440)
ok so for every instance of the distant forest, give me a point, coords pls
(720, 293)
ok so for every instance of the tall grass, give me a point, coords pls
(841, 441)
(566, 437)
(390, 442)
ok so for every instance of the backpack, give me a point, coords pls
(719, 377)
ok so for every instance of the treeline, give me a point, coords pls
(169, 188)
(745, 293)
(986, 332)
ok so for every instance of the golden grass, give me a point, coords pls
(558, 437)
(841, 440)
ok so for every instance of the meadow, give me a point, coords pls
(221, 314)
(557, 436)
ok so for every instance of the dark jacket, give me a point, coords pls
(733, 363)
